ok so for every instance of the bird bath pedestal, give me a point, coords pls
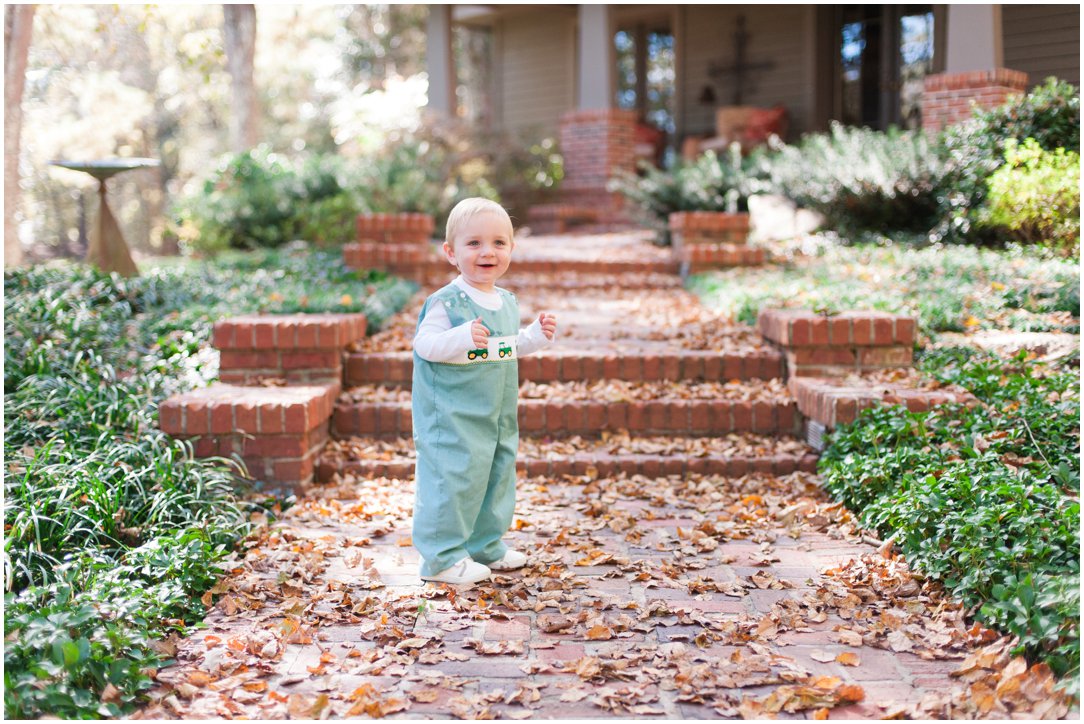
(107, 250)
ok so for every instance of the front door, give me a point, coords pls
(884, 53)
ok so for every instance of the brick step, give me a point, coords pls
(563, 409)
(396, 368)
(423, 261)
(521, 283)
(732, 455)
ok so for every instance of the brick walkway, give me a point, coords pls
(658, 588)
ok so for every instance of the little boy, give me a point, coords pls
(466, 386)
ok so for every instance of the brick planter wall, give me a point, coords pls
(947, 98)
(300, 348)
(404, 228)
(818, 345)
(595, 144)
(396, 243)
(559, 218)
(833, 402)
(711, 240)
(277, 431)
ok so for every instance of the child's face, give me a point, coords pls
(481, 250)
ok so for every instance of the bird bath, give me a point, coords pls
(108, 250)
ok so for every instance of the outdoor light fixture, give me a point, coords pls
(707, 96)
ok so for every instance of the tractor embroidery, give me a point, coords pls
(504, 350)
(476, 353)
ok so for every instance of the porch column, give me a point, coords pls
(594, 70)
(974, 74)
(438, 60)
(973, 38)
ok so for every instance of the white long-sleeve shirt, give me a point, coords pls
(438, 341)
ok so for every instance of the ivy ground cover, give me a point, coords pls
(112, 530)
(983, 499)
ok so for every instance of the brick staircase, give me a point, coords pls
(644, 381)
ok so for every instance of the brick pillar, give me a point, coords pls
(948, 97)
(595, 144)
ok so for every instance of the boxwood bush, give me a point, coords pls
(1036, 196)
(975, 149)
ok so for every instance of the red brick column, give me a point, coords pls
(948, 97)
(595, 144)
(298, 348)
(818, 345)
(277, 431)
(396, 243)
(712, 239)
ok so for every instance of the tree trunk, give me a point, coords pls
(240, 34)
(18, 25)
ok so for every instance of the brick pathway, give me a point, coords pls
(680, 585)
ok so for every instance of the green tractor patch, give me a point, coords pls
(476, 353)
(504, 350)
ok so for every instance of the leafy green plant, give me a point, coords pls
(710, 183)
(863, 179)
(975, 149)
(981, 499)
(112, 529)
(947, 288)
(1036, 195)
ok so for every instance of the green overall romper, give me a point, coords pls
(466, 433)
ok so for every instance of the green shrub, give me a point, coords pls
(247, 202)
(710, 183)
(862, 179)
(1036, 195)
(975, 149)
(984, 500)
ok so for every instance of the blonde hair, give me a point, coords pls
(467, 209)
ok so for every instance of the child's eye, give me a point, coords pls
(500, 242)
(472, 242)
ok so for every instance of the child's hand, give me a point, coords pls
(479, 334)
(549, 325)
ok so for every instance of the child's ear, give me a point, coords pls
(449, 253)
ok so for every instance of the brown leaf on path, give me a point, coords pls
(849, 658)
(820, 714)
(555, 623)
(424, 696)
(600, 632)
(899, 642)
(822, 656)
(199, 678)
(495, 648)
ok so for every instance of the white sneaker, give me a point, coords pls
(464, 572)
(510, 561)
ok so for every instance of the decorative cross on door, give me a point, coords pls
(740, 66)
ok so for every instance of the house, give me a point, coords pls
(596, 74)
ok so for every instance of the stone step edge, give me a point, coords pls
(604, 465)
(574, 417)
(397, 367)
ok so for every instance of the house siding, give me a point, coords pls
(1042, 40)
(778, 34)
(536, 67)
